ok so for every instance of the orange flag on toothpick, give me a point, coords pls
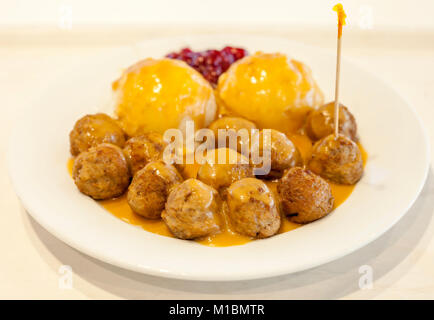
(341, 17)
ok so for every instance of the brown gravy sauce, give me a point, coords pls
(120, 208)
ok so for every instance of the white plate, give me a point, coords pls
(389, 129)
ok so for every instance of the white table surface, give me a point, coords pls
(402, 260)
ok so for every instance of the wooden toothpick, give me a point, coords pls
(341, 21)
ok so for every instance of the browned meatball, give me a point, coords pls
(235, 123)
(304, 196)
(94, 129)
(222, 175)
(320, 122)
(101, 172)
(252, 208)
(283, 153)
(192, 210)
(147, 193)
(337, 159)
(143, 149)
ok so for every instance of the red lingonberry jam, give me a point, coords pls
(210, 63)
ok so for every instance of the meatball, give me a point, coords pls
(283, 153)
(101, 172)
(235, 123)
(337, 159)
(143, 149)
(304, 196)
(221, 175)
(252, 208)
(192, 210)
(93, 129)
(320, 122)
(147, 193)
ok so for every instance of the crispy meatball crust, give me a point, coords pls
(304, 196)
(101, 172)
(235, 123)
(337, 159)
(192, 210)
(147, 193)
(283, 153)
(93, 129)
(320, 122)
(141, 150)
(222, 175)
(252, 208)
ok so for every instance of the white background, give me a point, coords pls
(395, 39)
(399, 14)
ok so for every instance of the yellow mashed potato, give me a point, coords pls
(155, 95)
(270, 90)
